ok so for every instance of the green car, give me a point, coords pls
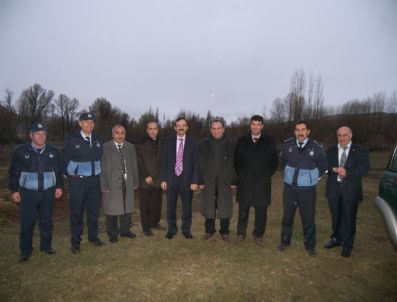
(386, 201)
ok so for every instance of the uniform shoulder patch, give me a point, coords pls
(318, 143)
(289, 139)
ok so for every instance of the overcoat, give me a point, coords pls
(221, 171)
(111, 178)
(255, 164)
(149, 162)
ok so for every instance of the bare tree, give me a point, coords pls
(34, 103)
(8, 118)
(67, 110)
(278, 112)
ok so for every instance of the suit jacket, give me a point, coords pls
(190, 173)
(255, 164)
(149, 162)
(111, 178)
(357, 165)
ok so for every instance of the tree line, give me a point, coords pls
(373, 119)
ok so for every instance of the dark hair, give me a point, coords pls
(218, 119)
(181, 118)
(152, 121)
(302, 122)
(257, 118)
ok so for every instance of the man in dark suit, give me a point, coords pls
(179, 175)
(150, 194)
(255, 161)
(347, 163)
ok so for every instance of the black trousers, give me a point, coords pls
(33, 203)
(305, 199)
(125, 222)
(210, 226)
(84, 195)
(150, 203)
(179, 187)
(344, 217)
(260, 220)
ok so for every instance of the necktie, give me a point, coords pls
(300, 146)
(255, 139)
(123, 168)
(88, 140)
(179, 159)
(343, 158)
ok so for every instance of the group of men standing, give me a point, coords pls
(179, 166)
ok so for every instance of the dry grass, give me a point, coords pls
(156, 269)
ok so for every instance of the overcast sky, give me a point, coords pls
(231, 57)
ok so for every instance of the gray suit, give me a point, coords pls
(119, 201)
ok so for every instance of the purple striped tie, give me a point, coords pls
(179, 158)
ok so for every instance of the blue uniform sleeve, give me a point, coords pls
(322, 162)
(14, 172)
(283, 159)
(65, 157)
(58, 170)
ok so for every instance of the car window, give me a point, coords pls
(393, 161)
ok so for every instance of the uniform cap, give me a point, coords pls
(37, 127)
(87, 116)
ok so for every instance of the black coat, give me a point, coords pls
(255, 164)
(149, 162)
(357, 165)
(221, 170)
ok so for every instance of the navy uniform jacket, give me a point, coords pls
(79, 158)
(303, 168)
(34, 171)
(357, 164)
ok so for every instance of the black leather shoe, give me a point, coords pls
(23, 258)
(96, 242)
(50, 251)
(282, 247)
(169, 235)
(188, 235)
(75, 249)
(113, 239)
(311, 252)
(331, 244)
(148, 233)
(346, 253)
(129, 234)
(159, 227)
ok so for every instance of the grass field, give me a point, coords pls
(156, 269)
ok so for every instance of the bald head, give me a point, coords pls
(344, 135)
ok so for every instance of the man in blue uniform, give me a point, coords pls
(81, 164)
(304, 162)
(35, 181)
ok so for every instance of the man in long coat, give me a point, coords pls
(150, 194)
(217, 179)
(119, 178)
(255, 161)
